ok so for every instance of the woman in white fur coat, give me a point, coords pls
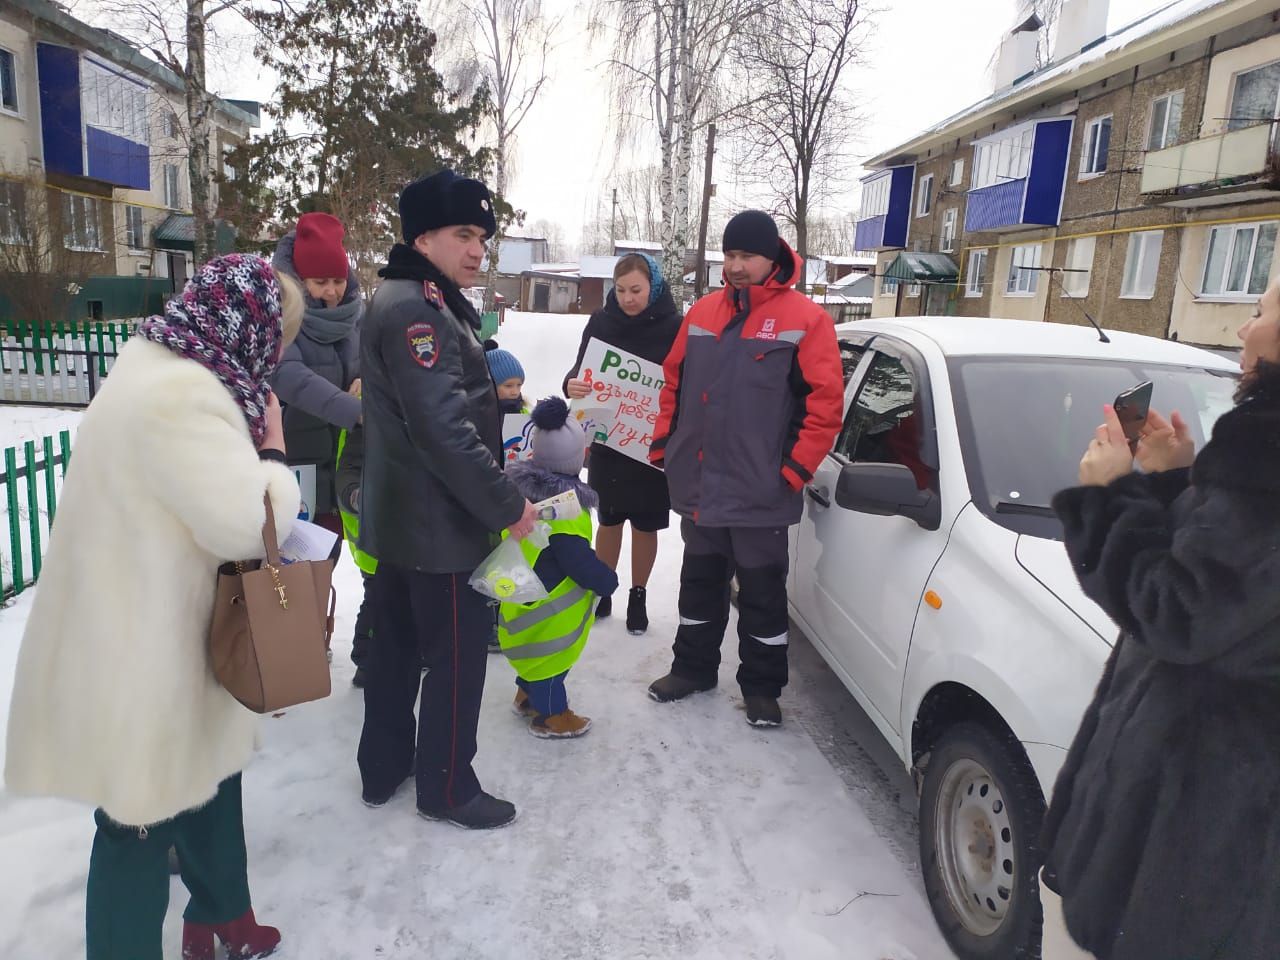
(114, 701)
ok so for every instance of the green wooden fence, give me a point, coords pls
(57, 363)
(31, 485)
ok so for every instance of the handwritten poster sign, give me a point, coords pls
(306, 475)
(624, 391)
(517, 431)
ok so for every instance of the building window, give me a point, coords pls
(228, 169)
(1024, 276)
(1166, 119)
(924, 203)
(13, 211)
(1142, 265)
(977, 270)
(957, 172)
(1097, 141)
(948, 230)
(1239, 260)
(133, 230)
(1078, 268)
(913, 289)
(172, 198)
(1006, 156)
(8, 81)
(1256, 98)
(82, 222)
(888, 286)
(170, 125)
(875, 197)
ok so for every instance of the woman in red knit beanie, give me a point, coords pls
(318, 381)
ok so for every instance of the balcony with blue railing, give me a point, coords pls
(886, 206)
(1029, 168)
(94, 118)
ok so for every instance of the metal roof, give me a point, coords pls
(1169, 28)
(913, 267)
(178, 232)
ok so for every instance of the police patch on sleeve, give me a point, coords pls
(423, 348)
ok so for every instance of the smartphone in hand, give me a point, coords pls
(1131, 408)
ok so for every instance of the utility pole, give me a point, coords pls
(613, 224)
(708, 188)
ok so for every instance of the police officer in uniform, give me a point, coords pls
(434, 501)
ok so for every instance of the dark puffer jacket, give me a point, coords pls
(752, 403)
(313, 378)
(434, 496)
(625, 484)
(1162, 836)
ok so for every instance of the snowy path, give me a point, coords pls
(670, 831)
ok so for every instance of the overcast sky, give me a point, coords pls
(926, 60)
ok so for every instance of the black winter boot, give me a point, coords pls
(604, 608)
(763, 711)
(673, 687)
(481, 812)
(637, 615)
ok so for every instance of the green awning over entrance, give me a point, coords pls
(923, 268)
(178, 232)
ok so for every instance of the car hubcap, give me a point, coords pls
(975, 845)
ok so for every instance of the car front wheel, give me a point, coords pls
(980, 815)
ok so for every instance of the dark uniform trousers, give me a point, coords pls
(432, 620)
(712, 557)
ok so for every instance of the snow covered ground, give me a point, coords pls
(20, 424)
(669, 831)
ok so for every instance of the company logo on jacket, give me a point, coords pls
(767, 331)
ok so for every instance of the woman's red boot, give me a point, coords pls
(197, 941)
(244, 938)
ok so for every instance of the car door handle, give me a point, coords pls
(818, 495)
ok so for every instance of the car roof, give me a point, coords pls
(989, 336)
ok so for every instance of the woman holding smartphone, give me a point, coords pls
(1162, 838)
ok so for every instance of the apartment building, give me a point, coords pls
(1133, 179)
(93, 163)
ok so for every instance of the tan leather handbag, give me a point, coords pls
(271, 627)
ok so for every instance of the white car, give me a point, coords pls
(929, 572)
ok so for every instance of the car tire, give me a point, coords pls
(980, 816)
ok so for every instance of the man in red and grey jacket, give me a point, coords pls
(752, 403)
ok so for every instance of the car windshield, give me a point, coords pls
(1025, 422)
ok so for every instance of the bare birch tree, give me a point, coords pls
(512, 42)
(177, 33)
(666, 69)
(800, 114)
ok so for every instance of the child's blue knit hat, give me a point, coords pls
(503, 365)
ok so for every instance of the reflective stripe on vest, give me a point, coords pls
(544, 639)
(367, 564)
(554, 645)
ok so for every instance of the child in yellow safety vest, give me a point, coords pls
(544, 639)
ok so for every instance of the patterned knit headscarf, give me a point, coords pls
(227, 319)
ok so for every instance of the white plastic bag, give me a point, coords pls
(506, 575)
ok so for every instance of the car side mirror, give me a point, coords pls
(887, 490)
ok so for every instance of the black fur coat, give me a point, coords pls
(1163, 835)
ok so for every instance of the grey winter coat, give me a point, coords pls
(314, 376)
(434, 496)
